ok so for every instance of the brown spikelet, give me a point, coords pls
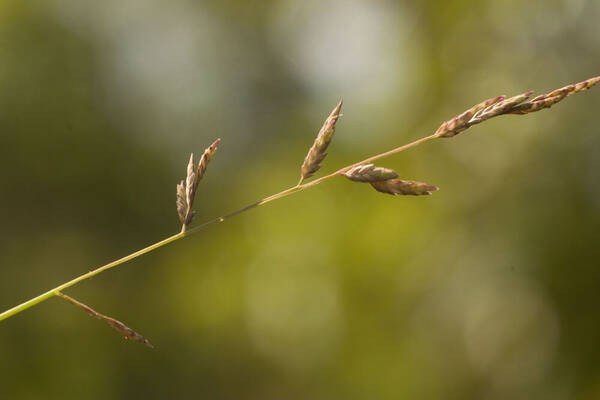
(499, 108)
(514, 105)
(120, 327)
(459, 123)
(479, 113)
(181, 202)
(548, 100)
(187, 193)
(370, 173)
(401, 187)
(206, 156)
(190, 184)
(317, 153)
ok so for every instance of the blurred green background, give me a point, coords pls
(489, 289)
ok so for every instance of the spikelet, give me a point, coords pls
(317, 153)
(370, 173)
(459, 123)
(483, 111)
(181, 202)
(514, 105)
(548, 100)
(206, 156)
(187, 193)
(190, 183)
(502, 107)
(401, 187)
(120, 327)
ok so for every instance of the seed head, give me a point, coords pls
(499, 108)
(548, 100)
(401, 187)
(317, 153)
(187, 193)
(181, 202)
(206, 156)
(370, 173)
(190, 182)
(460, 123)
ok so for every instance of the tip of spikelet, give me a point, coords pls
(187, 193)
(316, 154)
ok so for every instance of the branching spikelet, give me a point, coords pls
(120, 327)
(502, 107)
(186, 193)
(401, 187)
(459, 123)
(514, 105)
(382, 179)
(547, 100)
(317, 153)
(370, 173)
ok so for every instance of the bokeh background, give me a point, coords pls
(489, 289)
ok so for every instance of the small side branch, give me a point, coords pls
(120, 327)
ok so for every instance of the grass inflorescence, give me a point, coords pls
(382, 179)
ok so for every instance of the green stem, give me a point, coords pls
(54, 292)
(186, 232)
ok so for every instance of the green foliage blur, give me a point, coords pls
(488, 289)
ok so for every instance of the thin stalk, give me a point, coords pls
(393, 151)
(186, 232)
(54, 292)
